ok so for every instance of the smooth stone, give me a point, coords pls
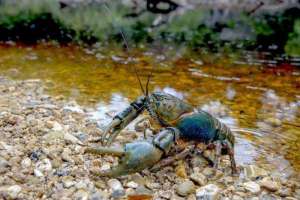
(270, 185)
(185, 188)
(132, 184)
(253, 172)
(198, 178)
(252, 187)
(208, 192)
(116, 188)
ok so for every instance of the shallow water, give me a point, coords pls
(264, 99)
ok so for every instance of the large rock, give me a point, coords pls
(208, 192)
(252, 187)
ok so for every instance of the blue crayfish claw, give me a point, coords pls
(135, 157)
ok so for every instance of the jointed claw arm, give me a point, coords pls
(121, 120)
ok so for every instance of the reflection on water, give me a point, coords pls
(262, 101)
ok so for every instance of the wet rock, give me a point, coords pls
(270, 185)
(10, 191)
(253, 172)
(185, 188)
(198, 178)
(208, 192)
(252, 187)
(116, 187)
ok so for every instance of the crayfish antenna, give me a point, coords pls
(147, 84)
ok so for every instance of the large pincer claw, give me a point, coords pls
(135, 157)
(111, 132)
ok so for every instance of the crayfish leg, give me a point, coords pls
(230, 152)
(218, 149)
(105, 150)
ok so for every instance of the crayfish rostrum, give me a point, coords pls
(178, 119)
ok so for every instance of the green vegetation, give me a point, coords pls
(35, 20)
(293, 45)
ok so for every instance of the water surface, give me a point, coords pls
(253, 93)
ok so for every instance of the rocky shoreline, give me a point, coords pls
(41, 157)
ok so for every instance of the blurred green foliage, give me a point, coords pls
(293, 45)
(34, 20)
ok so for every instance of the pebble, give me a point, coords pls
(81, 194)
(132, 184)
(208, 192)
(180, 170)
(68, 182)
(208, 171)
(252, 187)
(198, 178)
(185, 188)
(116, 188)
(3, 165)
(285, 192)
(12, 191)
(26, 162)
(270, 185)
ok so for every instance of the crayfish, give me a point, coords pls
(179, 120)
